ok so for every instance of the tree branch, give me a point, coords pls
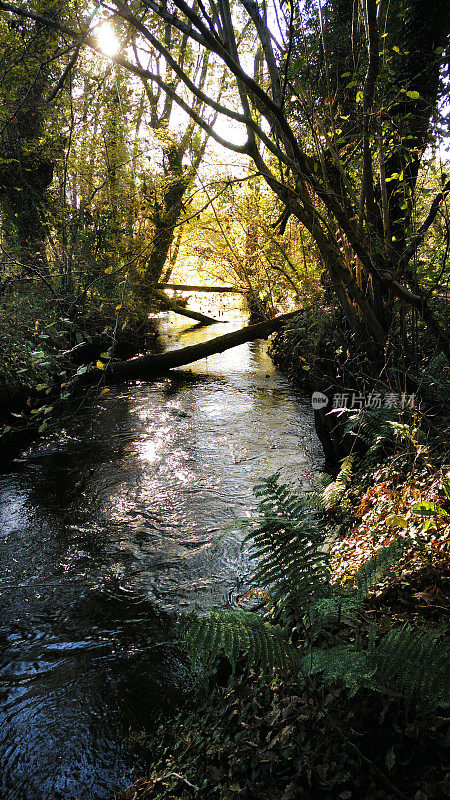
(420, 235)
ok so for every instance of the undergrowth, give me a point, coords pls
(342, 689)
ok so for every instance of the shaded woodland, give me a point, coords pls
(297, 155)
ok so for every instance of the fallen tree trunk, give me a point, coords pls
(150, 366)
(183, 287)
(185, 312)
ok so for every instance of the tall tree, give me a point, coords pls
(351, 187)
(26, 163)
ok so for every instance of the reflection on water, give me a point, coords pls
(129, 514)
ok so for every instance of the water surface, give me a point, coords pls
(129, 513)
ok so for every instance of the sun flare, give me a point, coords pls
(108, 40)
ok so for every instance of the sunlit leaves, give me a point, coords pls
(427, 509)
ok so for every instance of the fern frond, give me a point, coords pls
(414, 664)
(408, 663)
(343, 663)
(373, 426)
(235, 633)
(333, 492)
(290, 564)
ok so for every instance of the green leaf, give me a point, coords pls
(42, 428)
(297, 65)
(426, 509)
(413, 95)
(446, 488)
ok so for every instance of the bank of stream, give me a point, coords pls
(128, 513)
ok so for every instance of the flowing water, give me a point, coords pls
(126, 515)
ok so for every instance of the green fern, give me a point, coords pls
(294, 569)
(414, 664)
(345, 604)
(407, 663)
(290, 564)
(373, 427)
(343, 664)
(333, 493)
(236, 633)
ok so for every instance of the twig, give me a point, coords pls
(190, 785)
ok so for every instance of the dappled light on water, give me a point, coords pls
(133, 514)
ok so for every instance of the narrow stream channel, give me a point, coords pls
(130, 513)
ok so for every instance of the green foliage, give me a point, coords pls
(385, 435)
(372, 571)
(426, 509)
(25, 356)
(414, 664)
(407, 663)
(373, 427)
(342, 663)
(287, 549)
(333, 492)
(240, 633)
(293, 568)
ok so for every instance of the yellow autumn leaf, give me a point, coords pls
(100, 365)
(394, 520)
(108, 270)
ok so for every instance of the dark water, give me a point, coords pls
(127, 515)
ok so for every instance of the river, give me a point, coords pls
(127, 514)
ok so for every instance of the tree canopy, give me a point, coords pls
(335, 106)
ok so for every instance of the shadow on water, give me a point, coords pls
(129, 514)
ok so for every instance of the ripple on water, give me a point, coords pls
(130, 515)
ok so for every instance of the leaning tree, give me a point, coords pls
(337, 102)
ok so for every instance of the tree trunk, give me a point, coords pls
(150, 366)
(185, 312)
